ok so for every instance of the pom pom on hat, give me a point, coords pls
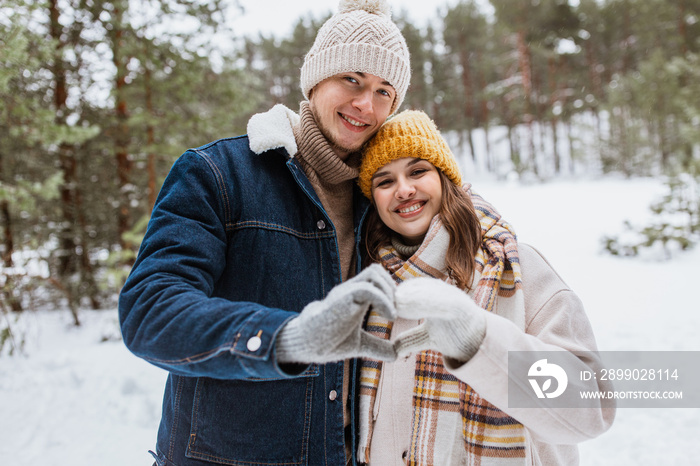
(411, 133)
(360, 38)
(377, 7)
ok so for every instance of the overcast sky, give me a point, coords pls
(280, 15)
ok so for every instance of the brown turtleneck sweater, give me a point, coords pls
(332, 179)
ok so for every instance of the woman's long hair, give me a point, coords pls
(459, 219)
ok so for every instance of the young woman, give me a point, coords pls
(467, 294)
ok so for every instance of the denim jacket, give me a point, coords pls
(238, 243)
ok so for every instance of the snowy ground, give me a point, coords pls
(76, 400)
(633, 304)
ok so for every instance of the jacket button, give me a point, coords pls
(333, 395)
(254, 344)
(321, 224)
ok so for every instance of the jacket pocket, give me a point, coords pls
(251, 423)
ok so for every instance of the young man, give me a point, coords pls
(231, 292)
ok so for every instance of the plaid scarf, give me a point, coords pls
(443, 405)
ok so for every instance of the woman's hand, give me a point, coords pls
(453, 323)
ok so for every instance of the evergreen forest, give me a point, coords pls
(99, 97)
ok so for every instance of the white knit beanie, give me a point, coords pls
(360, 38)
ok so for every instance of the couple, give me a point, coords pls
(253, 287)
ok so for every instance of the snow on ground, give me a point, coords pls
(76, 400)
(633, 304)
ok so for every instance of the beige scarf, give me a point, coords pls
(489, 436)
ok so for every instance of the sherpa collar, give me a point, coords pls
(273, 129)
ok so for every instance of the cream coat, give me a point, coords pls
(554, 320)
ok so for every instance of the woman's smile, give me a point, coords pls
(408, 194)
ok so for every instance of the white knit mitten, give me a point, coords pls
(453, 323)
(331, 329)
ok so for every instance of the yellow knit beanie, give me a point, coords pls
(410, 133)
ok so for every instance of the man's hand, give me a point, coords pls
(331, 329)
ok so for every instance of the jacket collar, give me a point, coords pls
(273, 129)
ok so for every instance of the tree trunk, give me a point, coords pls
(570, 140)
(682, 30)
(514, 149)
(554, 98)
(9, 290)
(627, 39)
(525, 73)
(484, 112)
(9, 245)
(67, 249)
(67, 254)
(87, 273)
(121, 137)
(468, 96)
(8, 240)
(595, 78)
(150, 141)
(74, 251)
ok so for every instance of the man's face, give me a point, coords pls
(350, 107)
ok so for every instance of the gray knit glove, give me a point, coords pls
(453, 323)
(331, 329)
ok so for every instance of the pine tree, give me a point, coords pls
(466, 31)
(675, 221)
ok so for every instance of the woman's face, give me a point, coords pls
(407, 194)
